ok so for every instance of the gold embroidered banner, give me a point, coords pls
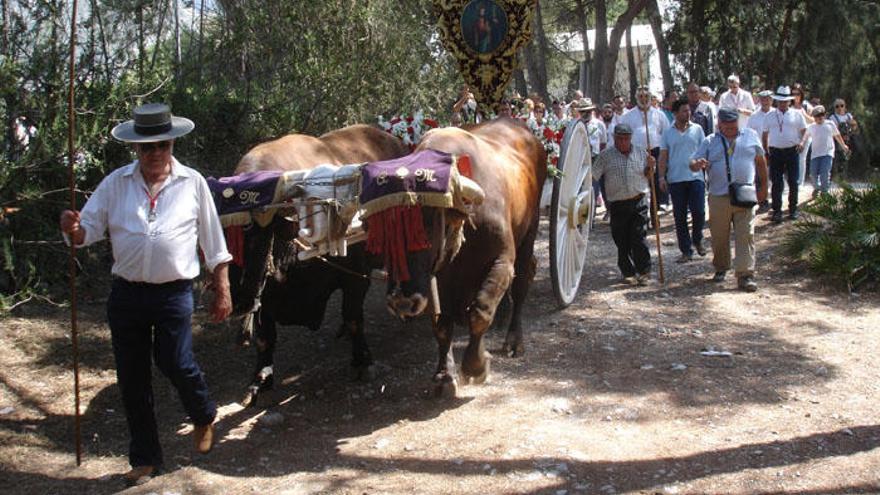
(484, 36)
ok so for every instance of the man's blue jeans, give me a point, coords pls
(154, 319)
(688, 196)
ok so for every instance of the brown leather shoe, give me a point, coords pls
(203, 438)
(139, 475)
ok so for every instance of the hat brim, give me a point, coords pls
(583, 109)
(782, 98)
(180, 126)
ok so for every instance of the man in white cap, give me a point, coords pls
(783, 130)
(648, 125)
(732, 156)
(737, 99)
(625, 168)
(156, 211)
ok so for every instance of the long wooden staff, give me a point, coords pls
(654, 204)
(71, 160)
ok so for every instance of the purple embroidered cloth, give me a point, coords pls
(426, 172)
(243, 192)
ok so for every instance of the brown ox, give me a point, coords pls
(296, 293)
(509, 163)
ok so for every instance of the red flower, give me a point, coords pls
(549, 134)
(554, 160)
(410, 130)
(394, 120)
(409, 120)
(559, 135)
(431, 123)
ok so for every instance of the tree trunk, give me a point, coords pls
(536, 56)
(631, 66)
(586, 73)
(623, 22)
(698, 28)
(177, 41)
(5, 50)
(140, 22)
(96, 11)
(158, 45)
(201, 37)
(519, 77)
(783, 37)
(596, 80)
(656, 21)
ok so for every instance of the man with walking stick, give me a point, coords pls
(156, 211)
(626, 169)
(648, 125)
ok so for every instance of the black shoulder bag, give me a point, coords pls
(742, 195)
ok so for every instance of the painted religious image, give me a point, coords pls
(483, 25)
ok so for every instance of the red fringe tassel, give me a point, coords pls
(235, 244)
(395, 232)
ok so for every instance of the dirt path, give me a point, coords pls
(612, 396)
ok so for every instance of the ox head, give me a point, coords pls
(263, 252)
(411, 283)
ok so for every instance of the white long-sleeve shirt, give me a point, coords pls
(657, 124)
(161, 249)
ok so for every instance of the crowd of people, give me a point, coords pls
(736, 151)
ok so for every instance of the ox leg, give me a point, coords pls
(264, 373)
(353, 295)
(444, 379)
(526, 267)
(475, 362)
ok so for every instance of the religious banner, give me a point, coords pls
(484, 36)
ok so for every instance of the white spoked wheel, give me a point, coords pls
(571, 214)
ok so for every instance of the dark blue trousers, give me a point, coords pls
(629, 220)
(784, 165)
(155, 320)
(689, 195)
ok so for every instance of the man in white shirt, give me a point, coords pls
(737, 99)
(706, 96)
(156, 212)
(783, 130)
(756, 123)
(648, 124)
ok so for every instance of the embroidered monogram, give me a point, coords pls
(425, 175)
(249, 197)
(382, 178)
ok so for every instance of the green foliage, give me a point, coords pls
(839, 237)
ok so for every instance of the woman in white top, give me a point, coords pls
(823, 134)
(802, 106)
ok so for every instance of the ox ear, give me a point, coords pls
(471, 192)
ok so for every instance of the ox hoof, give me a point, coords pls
(513, 350)
(475, 377)
(250, 397)
(363, 373)
(445, 387)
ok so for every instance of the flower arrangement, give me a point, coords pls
(408, 128)
(550, 132)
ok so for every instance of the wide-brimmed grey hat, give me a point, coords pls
(152, 122)
(584, 104)
(783, 93)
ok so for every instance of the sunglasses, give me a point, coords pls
(158, 145)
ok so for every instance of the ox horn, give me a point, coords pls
(471, 192)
